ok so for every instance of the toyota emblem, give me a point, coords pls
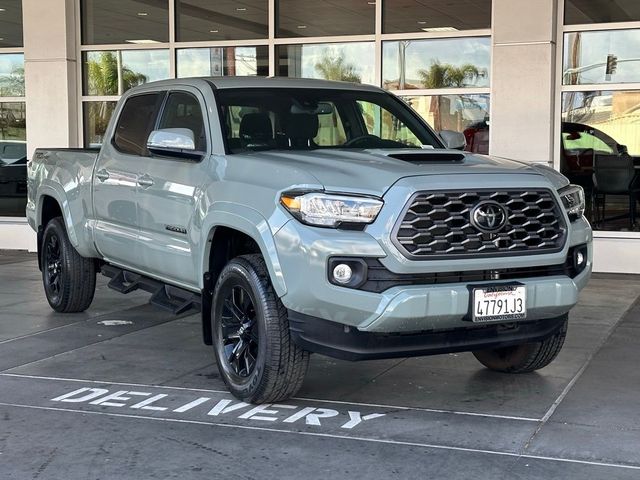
(488, 216)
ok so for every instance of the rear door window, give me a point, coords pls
(137, 119)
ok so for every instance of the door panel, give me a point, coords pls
(115, 181)
(167, 192)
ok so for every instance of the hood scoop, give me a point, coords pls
(423, 157)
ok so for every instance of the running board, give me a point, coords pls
(173, 299)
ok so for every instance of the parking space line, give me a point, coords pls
(306, 399)
(328, 435)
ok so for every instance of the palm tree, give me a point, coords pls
(445, 75)
(105, 78)
(336, 68)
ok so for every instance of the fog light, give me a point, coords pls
(579, 259)
(342, 273)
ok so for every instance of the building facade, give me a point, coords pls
(548, 81)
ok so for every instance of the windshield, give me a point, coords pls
(309, 119)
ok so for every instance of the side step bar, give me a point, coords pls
(174, 299)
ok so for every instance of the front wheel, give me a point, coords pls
(69, 279)
(254, 351)
(526, 357)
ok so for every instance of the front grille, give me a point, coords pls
(438, 225)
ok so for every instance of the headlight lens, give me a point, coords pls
(573, 200)
(329, 210)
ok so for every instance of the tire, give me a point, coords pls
(69, 280)
(526, 357)
(256, 356)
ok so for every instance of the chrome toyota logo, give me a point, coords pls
(488, 216)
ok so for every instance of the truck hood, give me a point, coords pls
(375, 171)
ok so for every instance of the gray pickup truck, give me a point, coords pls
(310, 216)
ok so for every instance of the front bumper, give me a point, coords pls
(304, 252)
(335, 340)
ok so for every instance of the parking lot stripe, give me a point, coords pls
(338, 402)
(328, 435)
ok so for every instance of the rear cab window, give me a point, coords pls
(136, 122)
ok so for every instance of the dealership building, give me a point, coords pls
(546, 81)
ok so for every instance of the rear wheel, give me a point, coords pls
(69, 279)
(526, 357)
(254, 351)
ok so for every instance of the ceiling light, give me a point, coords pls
(3, 9)
(1, 39)
(241, 9)
(214, 31)
(422, 22)
(440, 29)
(142, 14)
(371, 3)
(141, 41)
(301, 26)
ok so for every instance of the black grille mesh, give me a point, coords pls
(439, 224)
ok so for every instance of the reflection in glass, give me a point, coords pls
(214, 62)
(600, 11)
(440, 63)
(350, 62)
(12, 75)
(317, 18)
(96, 119)
(13, 160)
(461, 113)
(115, 72)
(601, 57)
(11, 23)
(401, 16)
(601, 152)
(201, 20)
(124, 21)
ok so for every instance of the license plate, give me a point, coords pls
(503, 302)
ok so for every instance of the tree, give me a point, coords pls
(103, 75)
(444, 75)
(336, 68)
(12, 84)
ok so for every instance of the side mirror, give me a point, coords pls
(622, 149)
(453, 140)
(173, 142)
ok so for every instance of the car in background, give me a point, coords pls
(13, 178)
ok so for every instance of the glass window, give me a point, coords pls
(316, 18)
(124, 21)
(601, 152)
(13, 160)
(115, 72)
(182, 110)
(12, 75)
(136, 122)
(11, 23)
(218, 61)
(401, 16)
(601, 57)
(202, 20)
(440, 63)
(468, 114)
(96, 120)
(600, 11)
(351, 62)
(309, 119)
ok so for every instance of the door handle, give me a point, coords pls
(102, 175)
(145, 181)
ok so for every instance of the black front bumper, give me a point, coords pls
(347, 343)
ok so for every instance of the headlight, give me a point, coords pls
(329, 210)
(573, 200)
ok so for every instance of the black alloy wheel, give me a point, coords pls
(53, 266)
(239, 335)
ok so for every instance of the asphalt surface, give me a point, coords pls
(126, 391)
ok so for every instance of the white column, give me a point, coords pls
(523, 79)
(50, 53)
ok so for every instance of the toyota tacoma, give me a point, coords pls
(308, 216)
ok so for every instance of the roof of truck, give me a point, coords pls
(268, 82)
